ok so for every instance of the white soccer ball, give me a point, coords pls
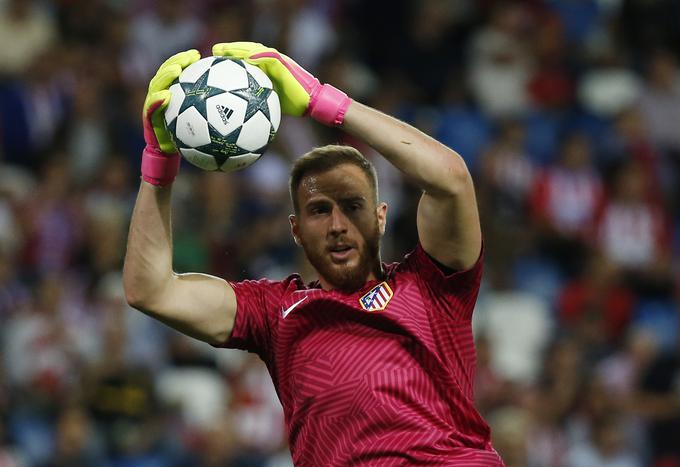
(223, 113)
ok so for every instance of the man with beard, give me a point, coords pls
(373, 363)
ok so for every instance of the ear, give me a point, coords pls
(381, 211)
(294, 229)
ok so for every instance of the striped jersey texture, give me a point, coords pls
(383, 376)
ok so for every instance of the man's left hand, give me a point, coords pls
(299, 91)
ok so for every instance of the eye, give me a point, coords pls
(318, 210)
(354, 206)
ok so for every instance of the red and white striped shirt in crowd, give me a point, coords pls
(568, 200)
(633, 235)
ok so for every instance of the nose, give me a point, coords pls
(338, 222)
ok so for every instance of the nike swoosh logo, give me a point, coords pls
(290, 308)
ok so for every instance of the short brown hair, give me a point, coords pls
(324, 158)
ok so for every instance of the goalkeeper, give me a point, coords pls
(374, 363)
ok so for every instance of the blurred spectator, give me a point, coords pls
(500, 66)
(158, 33)
(551, 85)
(88, 142)
(597, 304)
(658, 400)
(121, 398)
(601, 431)
(551, 403)
(631, 142)
(608, 448)
(33, 110)
(226, 23)
(254, 409)
(565, 203)
(517, 325)
(344, 71)
(218, 447)
(28, 26)
(608, 86)
(84, 22)
(75, 441)
(633, 231)
(106, 209)
(52, 221)
(40, 349)
(510, 426)
(430, 60)
(507, 175)
(621, 371)
(660, 100)
(309, 33)
(492, 391)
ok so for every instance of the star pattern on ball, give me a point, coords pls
(197, 93)
(222, 147)
(256, 96)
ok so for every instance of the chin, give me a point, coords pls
(346, 277)
(348, 284)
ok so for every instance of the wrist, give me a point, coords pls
(159, 168)
(328, 105)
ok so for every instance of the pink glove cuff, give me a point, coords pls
(158, 168)
(328, 105)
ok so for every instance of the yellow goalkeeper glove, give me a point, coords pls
(299, 91)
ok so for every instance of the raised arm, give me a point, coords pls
(448, 221)
(198, 305)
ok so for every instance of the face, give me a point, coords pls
(339, 226)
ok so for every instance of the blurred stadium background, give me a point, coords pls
(566, 111)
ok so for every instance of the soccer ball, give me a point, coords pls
(222, 113)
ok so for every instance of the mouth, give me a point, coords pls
(340, 253)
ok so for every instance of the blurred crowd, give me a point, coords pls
(567, 113)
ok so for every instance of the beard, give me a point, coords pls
(342, 276)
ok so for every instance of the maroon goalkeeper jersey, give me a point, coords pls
(383, 376)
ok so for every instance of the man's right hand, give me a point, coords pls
(160, 159)
(198, 305)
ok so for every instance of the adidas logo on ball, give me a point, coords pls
(225, 113)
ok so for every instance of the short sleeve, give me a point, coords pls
(454, 294)
(256, 307)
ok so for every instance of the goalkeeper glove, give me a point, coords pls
(300, 93)
(160, 159)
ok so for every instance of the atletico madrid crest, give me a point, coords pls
(377, 298)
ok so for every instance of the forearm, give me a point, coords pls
(199, 305)
(434, 167)
(148, 259)
(447, 220)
